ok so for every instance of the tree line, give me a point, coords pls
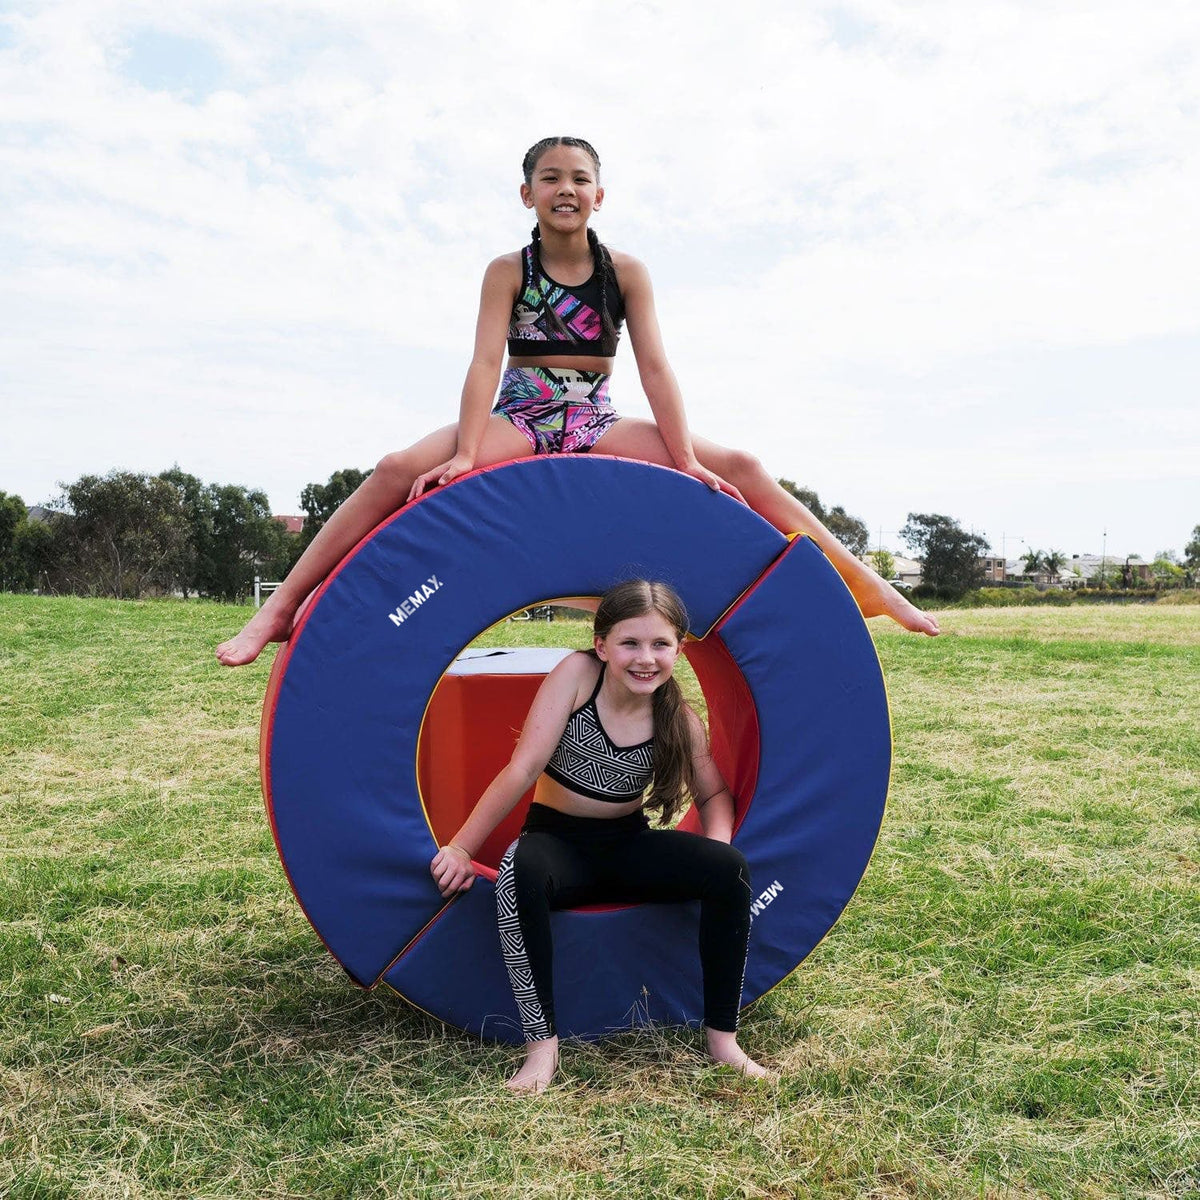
(131, 535)
(950, 555)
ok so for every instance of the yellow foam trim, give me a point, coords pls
(413, 1004)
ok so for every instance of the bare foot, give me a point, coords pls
(541, 1062)
(890, 602)
(723, 1048)
(270, 624)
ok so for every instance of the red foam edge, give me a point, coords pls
(266, 724)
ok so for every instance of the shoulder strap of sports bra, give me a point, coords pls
(590, 702)
(596, 690)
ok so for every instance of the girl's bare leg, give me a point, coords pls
(634, 438)
(380, 494)
(723, 1048)
(541, 1062)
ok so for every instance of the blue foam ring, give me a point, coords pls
(358, 855)
(825, 756)
(350, 690)
(807, 834)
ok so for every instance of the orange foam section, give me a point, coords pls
(473, 723)
(471, 728)
(732, 723)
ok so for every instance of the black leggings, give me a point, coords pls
(561, 861)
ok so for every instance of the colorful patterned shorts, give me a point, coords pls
(561, 412)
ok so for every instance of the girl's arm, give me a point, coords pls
(658, 380)
(501, 281)
(712, 797)
(552, 707)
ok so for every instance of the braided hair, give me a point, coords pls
(601, 258)
(672, 779)
(534, 153)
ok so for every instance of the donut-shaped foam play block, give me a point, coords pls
(796, 705)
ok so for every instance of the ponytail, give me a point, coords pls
(673, 779)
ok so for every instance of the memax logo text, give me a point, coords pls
(411, 603)
(765, 898)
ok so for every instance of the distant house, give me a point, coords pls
(1017, 572)
(906, 571)
(994, 569)
(1134, 570)
(291, 524)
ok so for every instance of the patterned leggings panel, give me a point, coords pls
(534, 1020)
(561, 861)
(561, 411)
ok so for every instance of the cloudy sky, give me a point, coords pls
(920, 256)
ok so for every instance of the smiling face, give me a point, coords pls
(564, 190)
(640, 652)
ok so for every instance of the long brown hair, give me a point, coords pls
(673, 779)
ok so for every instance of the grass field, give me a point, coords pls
(1008, 1007)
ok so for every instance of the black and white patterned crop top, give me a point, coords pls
(589, 762)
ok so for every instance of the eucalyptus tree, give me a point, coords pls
(951, 556)
(1191, 552)
(848, 529)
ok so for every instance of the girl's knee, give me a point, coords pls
(742, 467)
(394, 468)
(730, 871)
(739, 868)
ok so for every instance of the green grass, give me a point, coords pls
(1008, 1007)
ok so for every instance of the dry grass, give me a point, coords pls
(1161, 624)
(1007, 1008)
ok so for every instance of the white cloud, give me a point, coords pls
(836, 205)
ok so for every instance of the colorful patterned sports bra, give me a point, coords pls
(532, 331)
(589, 762)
